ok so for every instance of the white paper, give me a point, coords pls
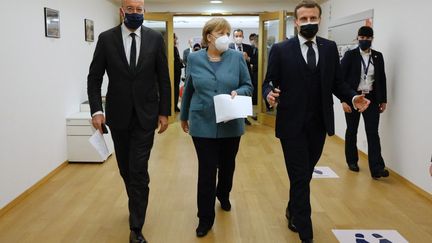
(324, 172)
(228, 109)
(98, 142)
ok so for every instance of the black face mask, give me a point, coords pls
(365, 44)
(133, 21)
(308, 31)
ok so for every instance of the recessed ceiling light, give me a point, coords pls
(216, 1)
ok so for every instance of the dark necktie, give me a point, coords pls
(311, 59)
(240, 48)
(132, 59)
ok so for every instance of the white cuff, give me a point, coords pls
(97, 113)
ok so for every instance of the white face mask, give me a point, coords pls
(222, 43)
(238, 40)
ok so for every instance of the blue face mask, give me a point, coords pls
(133, 21)
(365, 44)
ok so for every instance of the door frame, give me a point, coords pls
(263, 117)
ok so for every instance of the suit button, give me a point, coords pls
(215, 91)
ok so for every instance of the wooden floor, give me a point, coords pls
(87, 202)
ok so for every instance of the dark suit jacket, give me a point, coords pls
(351, 69)
(245, 48)
(147, 90)
(186, 53)
(285, 70)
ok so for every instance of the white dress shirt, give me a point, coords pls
(304, 48)
(366, 84)
(127, 41)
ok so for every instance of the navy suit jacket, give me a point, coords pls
(285, 71)
(351, 68)
(147, 90)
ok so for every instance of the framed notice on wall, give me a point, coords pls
(89, 30)
(52, 23)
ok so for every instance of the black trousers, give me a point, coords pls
(214, 154)
(132, 148)
(371, 120)
(301, 154)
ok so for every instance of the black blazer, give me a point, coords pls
(245, 48)
(147, 90)
(285, 71)
(351, 69)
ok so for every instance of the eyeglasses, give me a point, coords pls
(131, 10)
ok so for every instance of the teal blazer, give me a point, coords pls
(203, 83)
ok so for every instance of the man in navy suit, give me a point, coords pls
(246, 50)
(302, 74)
(363, 70)
(137, 100)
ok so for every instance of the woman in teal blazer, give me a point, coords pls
(213, 71)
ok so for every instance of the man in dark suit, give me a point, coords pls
(187, 51)
(247, 51)
(302, 74)
(363, 70)
(253, 39)
(178, 65)
(138, 98)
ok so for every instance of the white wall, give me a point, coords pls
(42, 81)
(401, 34)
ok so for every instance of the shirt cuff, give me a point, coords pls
(352, 101)
(97, 113)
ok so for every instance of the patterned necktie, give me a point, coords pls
(311, 59)
(132, 60)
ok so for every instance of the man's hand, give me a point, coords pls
(382, 107)
(97, 121)
(346, 107)
(245, 56)
(163, 124)
(430, 169)
(185, 126)
(272, 97)
(361, 103)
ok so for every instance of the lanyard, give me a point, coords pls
(366, 68)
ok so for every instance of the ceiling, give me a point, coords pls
(228, 6)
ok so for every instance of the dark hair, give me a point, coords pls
(365, 31)
(238, 30)
(307, 4)
(252, 36)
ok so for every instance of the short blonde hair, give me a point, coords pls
(214, 24)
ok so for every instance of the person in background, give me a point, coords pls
(245, 49)
(196, 47)
(187, 51)
(363, 70)
(253, 39)
(178, 65)
(302, 75)
(213, 71)
(138, 98)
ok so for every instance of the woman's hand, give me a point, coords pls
(233, 94)
(185, 126)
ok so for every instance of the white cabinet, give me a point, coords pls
(79, 130)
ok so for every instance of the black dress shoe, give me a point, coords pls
(225, 204)
(380, 173)
(354, 167)
(136, 237)
(307, 241)
(291, 225)
(202, 230)
(247, 122)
